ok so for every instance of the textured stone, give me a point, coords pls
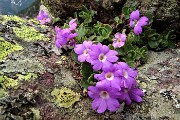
(166, 12)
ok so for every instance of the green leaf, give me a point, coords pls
(153, 44)
(117, 20)
(92, 37)
(99, 38)
(125, 10)
(131, 54)
(121, 51)
(111, 47)
(65, 25)
(74, 56)
(84, 8)
(171, 44)
(128, 48)
(150, 17)
(85, 83)
(88, 76)
(131, 63)
(86, 14)
(130, 38)
(86, 70)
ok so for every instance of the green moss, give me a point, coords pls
(7, 47)
(7, 82)
(28, 33)
(65, 97)
(27, 77)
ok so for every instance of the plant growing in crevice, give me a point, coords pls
(108, 61)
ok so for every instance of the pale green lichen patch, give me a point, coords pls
(28, 33)
(27, 77)
(7, 82)
(2, 93)
(7, 18)
(65, 97)
(7, 47)
(36, 114)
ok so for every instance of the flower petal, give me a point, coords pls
(81, 58)
(128, 100)
(95, 103)
(79, 49)
(100, 76)
(87, 44)
(136, 98)
(137, 29)
(134, 15)
(112, 104)
(102, 106)
(138, 92)
(143, 21)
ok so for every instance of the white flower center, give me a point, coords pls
(109, 76)
(102, 57)
(125, 74)
(104, 94)
(86, 52)
(135, 22)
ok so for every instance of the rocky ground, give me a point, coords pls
(37, 81)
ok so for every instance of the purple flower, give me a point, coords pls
(83, 51)
(43, 17)
(66, 35)
(126, 74)
(109, 76)
(102, 56)
(137, 22)
(129, 94)
(105, 97)
(72, 24)
(119, 40)
(61, 38)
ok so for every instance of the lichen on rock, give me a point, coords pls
(27, 77)
(65, 97)
(28, 33)
(7, 82)
(7, 47)
(6, 18)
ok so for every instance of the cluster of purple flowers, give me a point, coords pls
(43, 17)
(116, 82)
(137, 22)
(63, 36)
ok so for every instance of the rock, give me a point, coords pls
(106, 9)
(166, 12)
